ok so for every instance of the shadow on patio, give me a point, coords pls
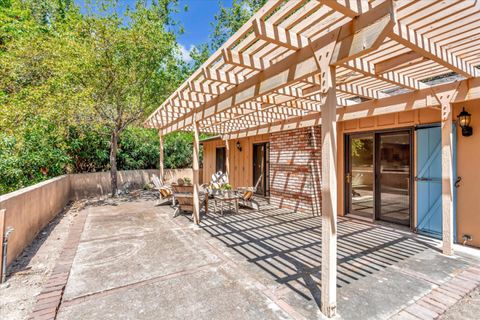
(287, 246)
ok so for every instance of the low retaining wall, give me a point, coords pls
(97, 184)
(30, 209)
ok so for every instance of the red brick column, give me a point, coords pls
(295, 160)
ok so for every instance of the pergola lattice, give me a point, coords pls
(300, 63)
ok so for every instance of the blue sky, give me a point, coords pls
(196, 20)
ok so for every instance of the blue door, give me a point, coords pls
(429, 180)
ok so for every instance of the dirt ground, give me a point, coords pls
(26, 276)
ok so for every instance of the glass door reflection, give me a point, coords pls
(394, 177)
(361, 175)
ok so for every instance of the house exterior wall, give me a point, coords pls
(240, 162)
(291, 156)
(295, 157)
(396, 120)
(468, 168)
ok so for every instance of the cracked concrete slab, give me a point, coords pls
(136, 261)
(127, 257)
(211, 293)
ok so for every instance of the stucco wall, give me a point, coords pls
(95, 184)
(30, 209)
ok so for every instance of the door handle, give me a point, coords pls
(348, 178)
(457, 182)
(427, 179)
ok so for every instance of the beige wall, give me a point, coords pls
(468, 167)
(95, 184)
(30, 209)
(241, 162)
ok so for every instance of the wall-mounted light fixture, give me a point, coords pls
(464, 119)
(239, 146)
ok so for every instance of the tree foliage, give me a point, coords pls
(68, 81)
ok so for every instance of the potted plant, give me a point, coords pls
(188, 181)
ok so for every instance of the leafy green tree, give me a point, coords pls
(70, 83)
(128, 65)
(138, 149)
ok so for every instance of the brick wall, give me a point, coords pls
(295, 159)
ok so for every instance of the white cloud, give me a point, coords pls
(185, 54)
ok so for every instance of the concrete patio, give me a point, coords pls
(134, 261)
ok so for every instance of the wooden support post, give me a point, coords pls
(445, 98)
(227, 158)
(161, 167)
(329, 196)
(196, 170)
(447, 179)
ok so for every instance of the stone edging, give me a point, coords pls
(49, 299)
(437, 301)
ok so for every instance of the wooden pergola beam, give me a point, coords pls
(431, 50)
(398, 62)
(368, 69)
(221, 76)
(466, 90)
(350, 8)
(243, 60)
(361, 91)
(278, 35)
(297, 66)
(371, 29)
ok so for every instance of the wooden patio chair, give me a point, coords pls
(166, 193)
(185, 202)
(247, 195)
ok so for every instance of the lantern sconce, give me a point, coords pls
(239, 146)
(464, 119)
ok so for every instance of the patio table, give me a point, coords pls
(226, 197)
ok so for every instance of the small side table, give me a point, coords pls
(227, 197)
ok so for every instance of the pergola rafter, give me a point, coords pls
(302, 63)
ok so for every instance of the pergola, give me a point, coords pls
(300, 63)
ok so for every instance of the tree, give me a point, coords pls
(68, 81)
(128, 65)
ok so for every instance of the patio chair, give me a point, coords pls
(247, 195)
(218, 179)
(185, 202)
(166, 193)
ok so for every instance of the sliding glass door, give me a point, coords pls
(360, 176)
(378, 175)
(393, 171)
